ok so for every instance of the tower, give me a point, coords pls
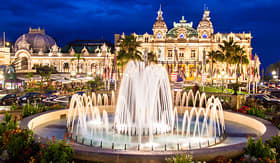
(159, 27)
(205, 28)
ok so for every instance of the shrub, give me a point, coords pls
(257, 112)
(20, 144)
(253, 111)
(182, 158)
(8, 123)
(258, 150)
(29, 109)
(14, 107)
(274, 142)
(222, 159)
(57, 151)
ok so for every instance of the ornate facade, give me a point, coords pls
(184, 49)
(37, 48)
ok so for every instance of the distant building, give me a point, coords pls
(38, 48)
(184, 49)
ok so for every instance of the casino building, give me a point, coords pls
(38, 48)
(184, 49)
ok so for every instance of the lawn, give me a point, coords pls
(209, 89)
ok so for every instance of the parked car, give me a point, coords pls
(8, 99)
(264, 99)
(50, 95)
(31, 97)
(80, 93)
(273, 98)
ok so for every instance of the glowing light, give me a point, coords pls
(73, 73)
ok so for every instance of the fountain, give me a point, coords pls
(145, 116)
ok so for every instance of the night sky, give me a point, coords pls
(67, 20)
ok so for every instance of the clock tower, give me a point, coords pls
(159, 28)
(205, 29)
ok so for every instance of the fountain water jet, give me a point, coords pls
(145, 115)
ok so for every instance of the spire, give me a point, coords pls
(206, 15)
(159, 17)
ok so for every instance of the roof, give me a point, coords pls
(37, 38)
(90, 45)
(190, 31)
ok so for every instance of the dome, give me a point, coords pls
(35, 39)
(180, 27)
(175, 31)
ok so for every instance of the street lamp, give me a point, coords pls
(226, 76)
(73, 73)
(273, 72)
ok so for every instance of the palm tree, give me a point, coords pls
(238, 58)
(152, 58)
(128, 51)
(122, 59)
(45, 76)
(227, 50)
(214, 56)
(29, 75)
(78, 57)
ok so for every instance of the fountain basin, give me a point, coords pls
(231, 147)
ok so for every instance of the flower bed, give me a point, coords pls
(259, 112)
(18, 145)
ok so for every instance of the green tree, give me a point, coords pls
(78, 57)
(45, 77)
(233, 54)
(29, 75)
(214, 57)
(128, 51)
(96, 84)
(239, 59)
(227, 49)
(152, 57)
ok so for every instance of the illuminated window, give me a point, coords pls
(181, 35)
(204, 35)
(193, 54)
(159, 36)
(170, 53)
(146, 39)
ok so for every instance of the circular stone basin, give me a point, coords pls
(238, 128)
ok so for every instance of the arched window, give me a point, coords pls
(66, 67)
(24, 63)
(146, 39)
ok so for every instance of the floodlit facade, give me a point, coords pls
(184, 49)
(38, 48)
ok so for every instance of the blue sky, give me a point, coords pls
(67, 20)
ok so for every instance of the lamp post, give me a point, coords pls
(220, 78)
(223, 75)
(226, 76)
